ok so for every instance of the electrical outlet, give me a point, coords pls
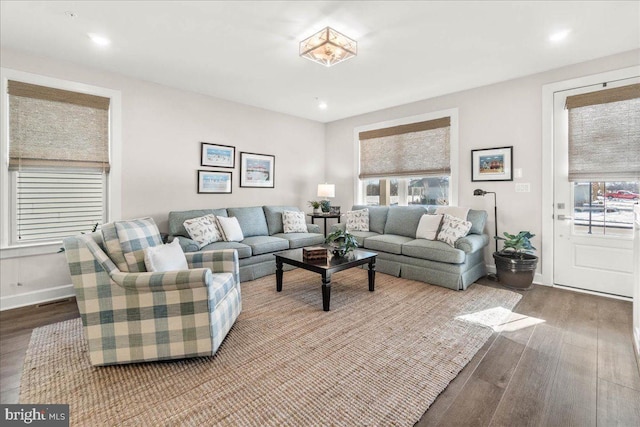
(523, 187)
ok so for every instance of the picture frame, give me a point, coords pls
(214, 182)
(492, 164)
(216, 155)
(257, 170)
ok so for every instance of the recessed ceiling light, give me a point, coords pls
(322, 105)
(559, 35)
(99, 40)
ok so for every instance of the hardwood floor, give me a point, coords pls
(568, 362)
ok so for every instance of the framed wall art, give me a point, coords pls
(212, 182)
(219, 156)
(257, 170)
(492, 164)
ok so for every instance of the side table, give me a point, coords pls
(325, 217)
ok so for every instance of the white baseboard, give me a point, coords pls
(36, 297)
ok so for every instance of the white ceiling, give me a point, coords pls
(247, 51)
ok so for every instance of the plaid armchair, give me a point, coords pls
(130, 315)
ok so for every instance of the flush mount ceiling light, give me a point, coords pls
(328, 47)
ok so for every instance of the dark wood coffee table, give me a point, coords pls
(326, 268)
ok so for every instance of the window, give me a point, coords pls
(408, 163)
(604, 159)
(57, 167)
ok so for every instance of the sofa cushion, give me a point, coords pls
(134, 236)
(428, 226)
(112, 246)
(265, 244)
(230, 229)
(203, 230)
(294, 222)
(386, 243)
(377, 217)
(403, 220)
(244, 251)
(300, 240)
(273, 216)
(252, 220)
(478, 220)
(358, 220)
(457, 211)
(452, 229)
(433, 250)
(177, 219)
(362, 235)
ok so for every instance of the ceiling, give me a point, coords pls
(247, 51)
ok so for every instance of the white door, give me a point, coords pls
(593, 222)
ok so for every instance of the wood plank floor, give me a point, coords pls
(568, 360)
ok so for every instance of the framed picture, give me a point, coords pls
(219, 156)
(257, 170)
(212, 182)
(492, 164)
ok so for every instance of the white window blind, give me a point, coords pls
(416, 149)
(604, 135)
(53, 205)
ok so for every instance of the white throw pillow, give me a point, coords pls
(230, 228)
(358, 220)
(452, 229)
(169, 257)
(203, 230)
(294, 222)
(428, 227)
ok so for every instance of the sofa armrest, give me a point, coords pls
(187, 244)
(162, 282)
(472, 242)
(219, 261)
(313, 228)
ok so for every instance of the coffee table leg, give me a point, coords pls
(278, 274)
(326, 291)
(372, 274)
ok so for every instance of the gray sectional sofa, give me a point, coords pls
(393, 236)
(263, 235)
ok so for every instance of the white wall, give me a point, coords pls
(161, 133)
(503, 114)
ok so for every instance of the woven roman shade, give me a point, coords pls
(56, 128)
(604, 135)
(416, 149)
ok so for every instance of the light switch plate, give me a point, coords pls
(523, 187)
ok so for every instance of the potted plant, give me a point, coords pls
(315, 205)
(515, 263)
(342, 242)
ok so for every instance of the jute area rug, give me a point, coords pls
(377, 358)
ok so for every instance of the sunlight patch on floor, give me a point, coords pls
(501, 319)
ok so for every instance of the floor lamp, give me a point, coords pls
(480, 192)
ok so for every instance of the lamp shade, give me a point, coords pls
(326, 190)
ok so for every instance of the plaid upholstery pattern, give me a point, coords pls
(112, 246)
(137, 317)
(136, 235)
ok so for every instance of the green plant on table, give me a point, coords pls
(314, 204)
(342, 242)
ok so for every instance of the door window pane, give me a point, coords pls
(604, 208)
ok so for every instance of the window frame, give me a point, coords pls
(9, 248)
(359, 189)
